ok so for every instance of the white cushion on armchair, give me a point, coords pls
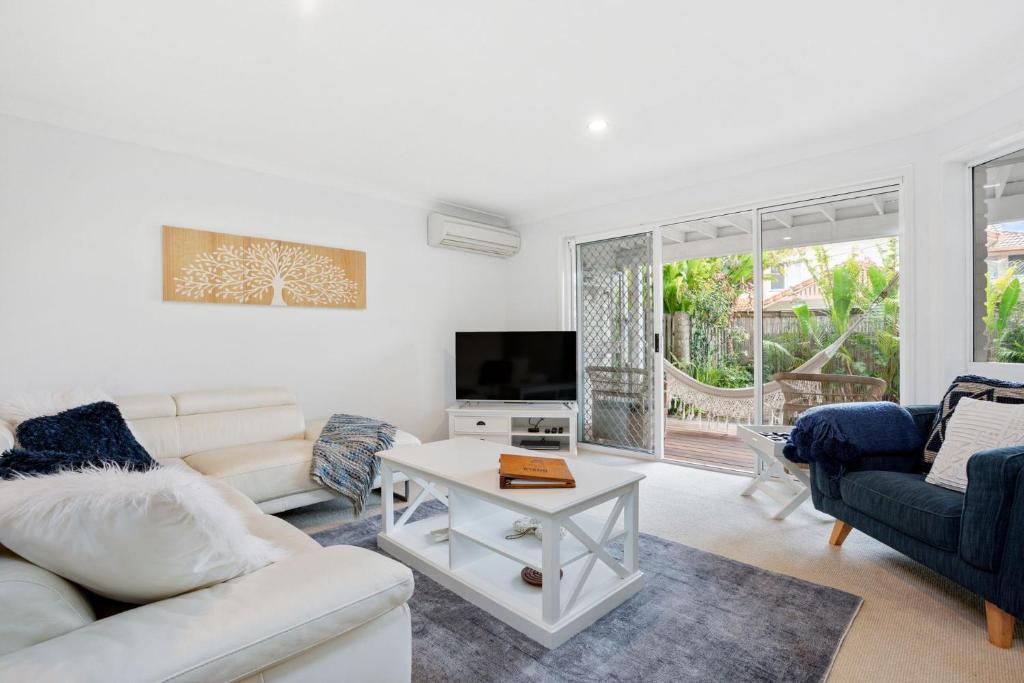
(975, 426)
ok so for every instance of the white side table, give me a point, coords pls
(767, 442)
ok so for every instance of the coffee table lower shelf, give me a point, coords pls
(491, 580)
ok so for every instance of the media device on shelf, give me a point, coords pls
(539, 444)
(515, 366)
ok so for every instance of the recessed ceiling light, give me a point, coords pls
(597, 126)
(787, 237)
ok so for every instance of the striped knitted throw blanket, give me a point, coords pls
(344, 455)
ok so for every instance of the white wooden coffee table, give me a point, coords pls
(478, 563)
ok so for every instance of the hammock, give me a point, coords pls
(703, 401)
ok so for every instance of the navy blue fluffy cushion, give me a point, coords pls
(96, 431)
(19, 461)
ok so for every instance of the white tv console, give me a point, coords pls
(510, 423)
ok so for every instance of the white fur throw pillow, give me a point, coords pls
(16, 410)
(130, 536)
(975, 426)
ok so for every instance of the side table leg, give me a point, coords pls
(766, 473)
(797, 500)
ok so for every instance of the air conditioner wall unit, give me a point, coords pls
(459, 233)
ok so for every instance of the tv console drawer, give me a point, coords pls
(480, 424)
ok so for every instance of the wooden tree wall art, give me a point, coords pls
(214, 267)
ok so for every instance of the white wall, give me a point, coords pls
(80, 270)
(81, 283)
(934, 242)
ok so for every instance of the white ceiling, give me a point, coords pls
(485, 103)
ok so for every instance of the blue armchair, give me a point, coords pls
(974, 538)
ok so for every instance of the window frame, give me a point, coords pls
(968, 161)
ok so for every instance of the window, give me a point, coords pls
(776, 280)
(998, 189)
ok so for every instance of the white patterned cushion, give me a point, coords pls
(969, 386)
(975, 426)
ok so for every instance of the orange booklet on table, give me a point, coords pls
(528, 472)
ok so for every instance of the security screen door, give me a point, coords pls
(618, 320)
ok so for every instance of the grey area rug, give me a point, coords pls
(700, 617)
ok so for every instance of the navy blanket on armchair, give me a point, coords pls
(974, 538)
(832, 435)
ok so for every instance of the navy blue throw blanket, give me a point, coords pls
(835, 435)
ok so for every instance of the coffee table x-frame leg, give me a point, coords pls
(427, 488)
(626, 506)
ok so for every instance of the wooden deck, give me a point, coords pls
(690, 443)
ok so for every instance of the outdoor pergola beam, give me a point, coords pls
(1006, 209)
(879, 205)
(673, 233)
(999, 175)
(782, 217)
(703, 227)
(741, 223)
(828, 211)
(843, 230)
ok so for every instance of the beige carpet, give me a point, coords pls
(914, 625)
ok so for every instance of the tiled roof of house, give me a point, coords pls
(805, 289)
(1010, 241)
(801, 291)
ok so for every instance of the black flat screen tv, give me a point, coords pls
(515, 366)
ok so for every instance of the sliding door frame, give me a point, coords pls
(569, 322)
(901, 180)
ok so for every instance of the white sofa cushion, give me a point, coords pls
(227, 400)
(262, 471)
(146, 406)
(271, 470)
(130, 536)
(36, 604)
(235, 629)
(24, 407)
(173, 426)
(206, 431)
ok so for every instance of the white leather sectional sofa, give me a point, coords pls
(320, 614)
(256, 440)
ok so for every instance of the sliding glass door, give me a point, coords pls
(830, 302)
(760, 314)
(708, 283)
(618, 319)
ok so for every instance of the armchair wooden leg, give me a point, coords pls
(840, 530)
(1000, 626)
